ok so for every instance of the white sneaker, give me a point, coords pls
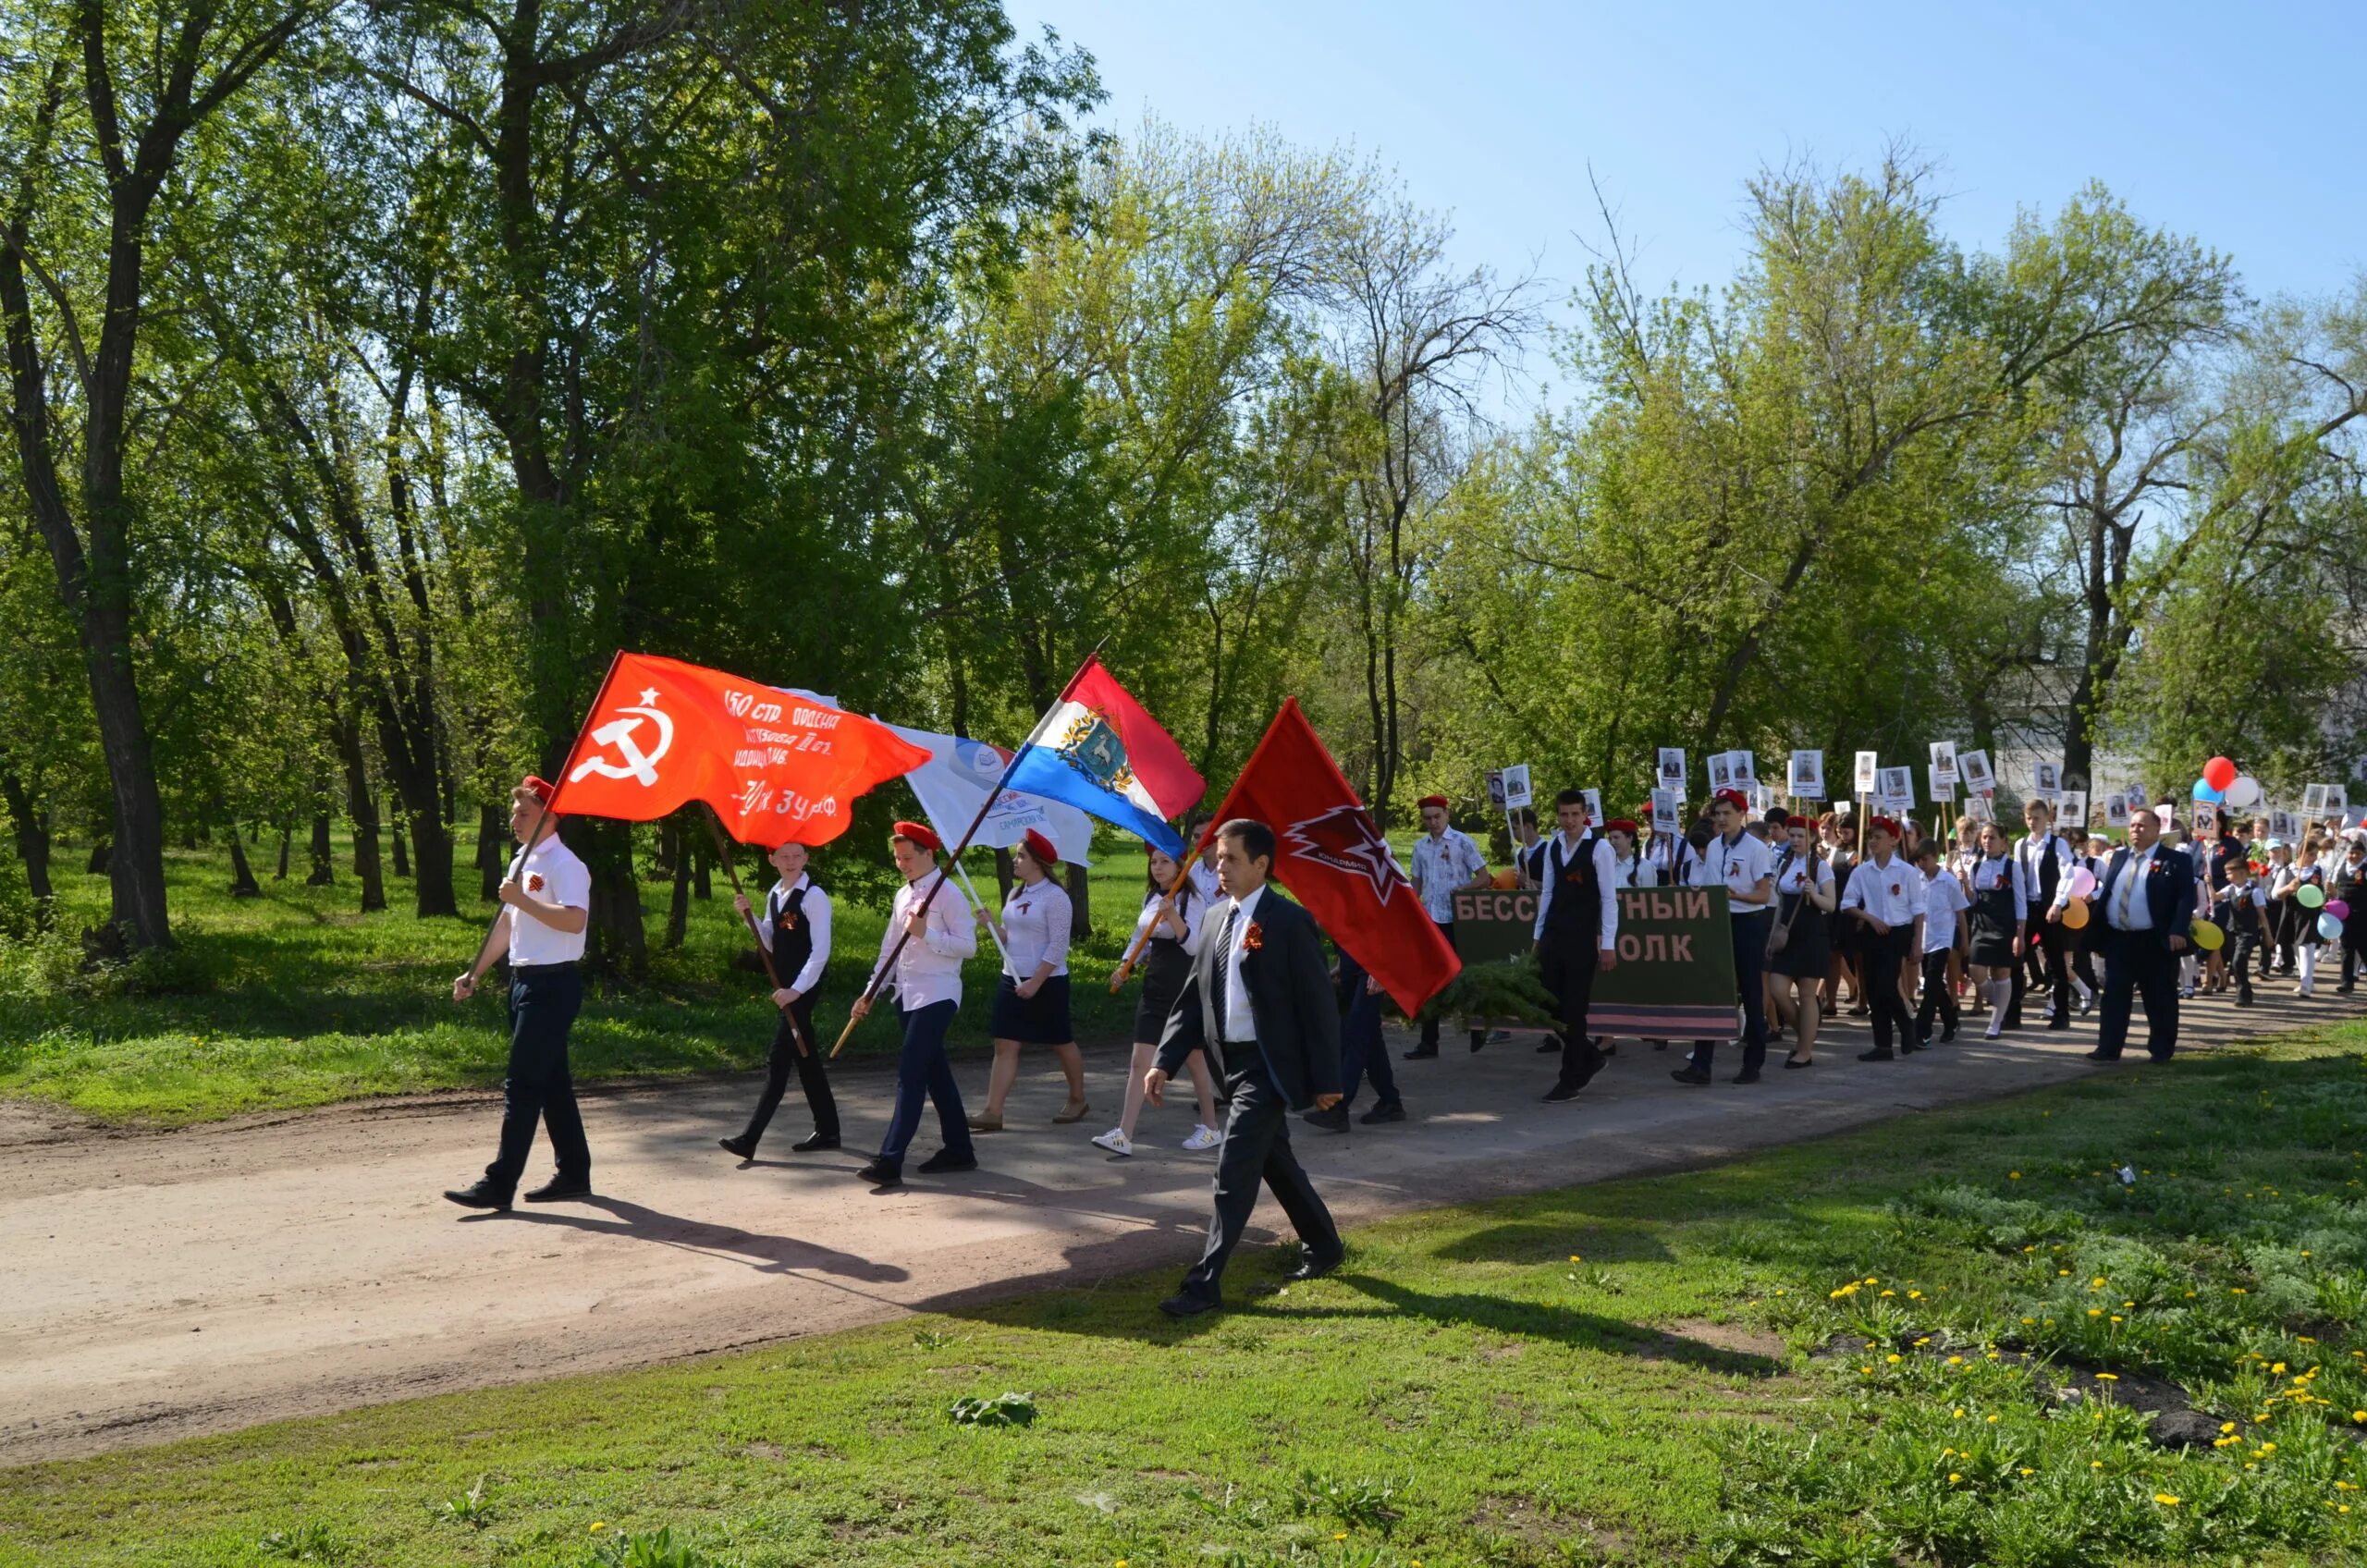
(1202, 1137)
(1116, 1142)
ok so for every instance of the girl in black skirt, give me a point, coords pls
(2001, 911)
(1032, 1002)
(1174, 926)
(1840, 835)
(1805, 884)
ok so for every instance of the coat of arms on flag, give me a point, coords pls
(1097, 750)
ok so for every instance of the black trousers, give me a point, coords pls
(2043, 955)
(1750, 968)
(2138, 963)
(1884, 954)
(1362, 1053)
(2083, 955)
(1566, 964)
(2351, 939)
(2240, 948)
(813, 1076)
(1431, 1025)
(539, 1090)
(1256, 1149)
(1937, 1001)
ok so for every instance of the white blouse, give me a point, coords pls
(1035, 928)
(1193, 908)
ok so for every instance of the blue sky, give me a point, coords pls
(2221, 121)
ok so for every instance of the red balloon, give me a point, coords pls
(2219, 773)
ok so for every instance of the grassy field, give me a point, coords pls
(294, 998)
(1930, 1341)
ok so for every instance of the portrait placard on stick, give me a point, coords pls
(1673, 769)
(1943, 763)
(2281, 824)
(1898, 789)
(2046, 780)
(1977, 809)
(1746, 770)
(1869, 765)
(2116, 809)
(1721, 771)
(1943, 786)
(1978, 776)
(2313, 801)
(1516, 790)
(1666, 804)
(2074, 809)
(1806, 782)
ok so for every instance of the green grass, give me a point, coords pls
(296, 999)
(1638, 1372)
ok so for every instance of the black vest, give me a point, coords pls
(792, 939)
(1577, 910)
(2049, 873)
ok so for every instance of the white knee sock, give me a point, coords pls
(2309, 966)
(2001, 995)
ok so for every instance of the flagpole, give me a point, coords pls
(544, 814)
(992, 930)
(1142, 937)
(888, 964)
(732, 864)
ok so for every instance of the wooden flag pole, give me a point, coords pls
(1142, 937)
(732, 864)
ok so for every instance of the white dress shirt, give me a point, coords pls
(1035, 928)
(1794, 876)
(1637, 870)
(550, 872)
(2126, 907)
(929, 969)
(1191, 908)
(1991, 875)
(1558, 855)
(1892, 893)
(815, 913)
(1442, 864)
(1737, 866)
(1204, 881)
(2031, 857)
(1240, 1023)
(1942, 901)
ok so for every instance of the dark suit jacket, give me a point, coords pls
(2168, 892)
(1290, 1002)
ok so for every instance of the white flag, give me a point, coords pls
(954, 783)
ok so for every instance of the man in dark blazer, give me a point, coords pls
(2147, 902)
(1259, 1001)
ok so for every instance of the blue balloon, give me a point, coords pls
(2329, 927)
(2203, 791)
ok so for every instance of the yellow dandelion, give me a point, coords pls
(2107, 1377)
(2166, 1500)
(2028, 1470)
(1892, 1358)
(1953, 1477)
(1956, 1361)
(2015, 1176)
(598, 1525)
(1339, 1535)
(1992, 1419)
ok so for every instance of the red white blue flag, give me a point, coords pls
(1097, 750)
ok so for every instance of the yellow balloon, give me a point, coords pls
(2207, 936)
(2074, 915)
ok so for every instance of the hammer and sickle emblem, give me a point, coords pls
(621, 732)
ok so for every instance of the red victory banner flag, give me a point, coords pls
(1332, 858)
(777, 768)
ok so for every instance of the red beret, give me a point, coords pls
(1438, 800)
(538, 788)
(920, 833)
(1047, 853)
(1733, 798)
(1885, 825)
(1621, 825)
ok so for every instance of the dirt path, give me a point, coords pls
(165, 1284)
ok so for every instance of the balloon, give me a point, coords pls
(2219, 773)
(2337, 908)
(1506, 880)
(2244, 793)
(2203, 791)
(2309, 895)
(2083, 882)
(2207, 936)
(2074, 915)
(2329, 927)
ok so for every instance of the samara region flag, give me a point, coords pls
(777, 766)
(1099, 751)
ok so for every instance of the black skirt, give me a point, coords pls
(1039, 1019)
(1807, 951)
(1843, 935)
(1992, 936)
(1165, 968)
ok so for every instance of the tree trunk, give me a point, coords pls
(678, 911)
(324, 873)
(102, 854)
(1003, 877)
(700, 858)
(31, 825)
(361, 807)
(286, 836)
(1079, 903)
(617, 945)
(243, 875)
(492, 851)
(395, 836)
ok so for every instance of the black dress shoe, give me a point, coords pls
(1388, 1111)
(1477, 1040)
(815, 1140)
(1189, 1306)
(1947, 1033)
(1792, 1062)
(1907, 1048)
(1692, 1075)
(559, 1189)
(744, 1147)
(2100, 1055)
(1748, 1075)
(1551, 1048)
(1563, 1092)
(480, 1194)
(945, 1160)
(879, 1173)
(2060, 1021)
(1332, 1121)
(1419, 1053)
(1312, 1268)
(1878, 1054)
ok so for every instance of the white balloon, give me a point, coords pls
(2244, 792)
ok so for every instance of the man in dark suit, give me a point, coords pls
(1259, 1001)
(2147, 901)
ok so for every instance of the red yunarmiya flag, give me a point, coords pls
(777, 767)
(1334, 861)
